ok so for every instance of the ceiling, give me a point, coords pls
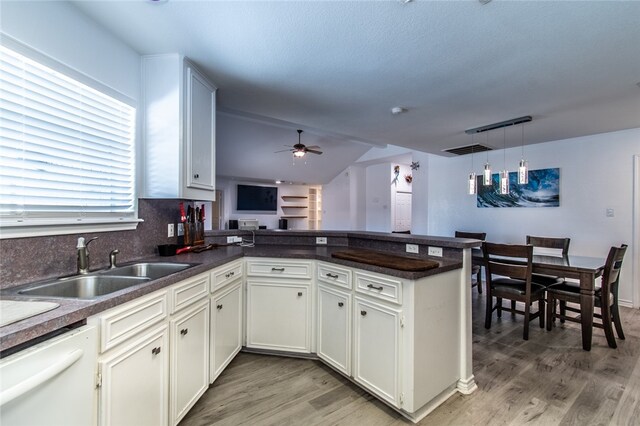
(340, 66)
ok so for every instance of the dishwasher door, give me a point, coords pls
(51, 383)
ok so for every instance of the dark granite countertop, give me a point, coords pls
(72, 311)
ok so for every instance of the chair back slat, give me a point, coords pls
(612, 268)
(473, 235)
(549, 245)
(509, 260)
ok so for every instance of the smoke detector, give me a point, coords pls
(398, 110)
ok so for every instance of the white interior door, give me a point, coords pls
(402, 214)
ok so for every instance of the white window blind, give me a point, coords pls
(66, 149)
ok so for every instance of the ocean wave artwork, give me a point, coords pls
(543, 190)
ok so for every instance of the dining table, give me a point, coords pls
(583, 268)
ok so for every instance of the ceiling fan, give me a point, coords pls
(299, 149)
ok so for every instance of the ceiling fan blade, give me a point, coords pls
(314, 147)
(313, 151)
(283, 150)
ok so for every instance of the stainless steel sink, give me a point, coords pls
(150, 270)
(83, 287)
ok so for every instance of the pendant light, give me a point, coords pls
(504, 174)
(523, 168)
(473, 189)
(486, 177)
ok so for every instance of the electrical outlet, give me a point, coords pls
(321, 240)
(170, 230)
(435, 251)
(413, 248)
(231, 240)
(237, 239)
(180, 229)
(610, 212)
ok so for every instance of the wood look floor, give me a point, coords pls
(548, 380)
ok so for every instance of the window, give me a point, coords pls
(67, 153)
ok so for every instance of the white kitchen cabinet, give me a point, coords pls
(334, 328)
(279, 315)
(189, 359)
(135, 381)
(179, 110)
(226, 327)
(377, 349)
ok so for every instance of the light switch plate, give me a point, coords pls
(231, 240)
(413, 248)
(171, 230)
(321, 240)
(180, 229)
(435, 251)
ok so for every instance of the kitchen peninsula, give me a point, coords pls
(404, 336)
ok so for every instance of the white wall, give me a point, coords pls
(270, 220)
(596, 173)
(378, 198)
(336, 203)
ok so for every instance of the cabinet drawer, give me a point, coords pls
(379, 287)
(123, 322)
(279, 268)
(189, 291)
(225, 274)
(334, 275)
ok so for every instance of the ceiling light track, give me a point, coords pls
(500, 125)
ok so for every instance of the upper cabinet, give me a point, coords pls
(179, 129)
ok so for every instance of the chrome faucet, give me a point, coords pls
(83, 255)
(112, 258)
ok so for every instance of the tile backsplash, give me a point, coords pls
(23, 260)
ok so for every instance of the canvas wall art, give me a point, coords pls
(543, 190)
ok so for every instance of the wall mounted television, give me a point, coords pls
(257, 198)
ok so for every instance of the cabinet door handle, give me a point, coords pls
(278, 269)
(340, 304)
(332, 276)
(196, 176)
(155, 351)
(374, 287)
(363, 313)
(184, 331)
(299, 294)
(219, 307)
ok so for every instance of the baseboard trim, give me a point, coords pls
(626, 303)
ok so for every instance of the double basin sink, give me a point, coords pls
(103, 282)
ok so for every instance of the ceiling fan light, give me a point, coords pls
(298, 154)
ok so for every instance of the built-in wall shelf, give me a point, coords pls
(294, 197)
(293, 217)
(294, 207)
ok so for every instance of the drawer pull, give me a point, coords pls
(374, 287)
(363, 313)
(278, 269)
(340, 304)
(230, 274)
(299, 294)
(155, 351)
(184, 331)
(330, 275)
(196, 176)
(219, 307)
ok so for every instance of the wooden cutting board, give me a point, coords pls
(386, 260)
(15, 310)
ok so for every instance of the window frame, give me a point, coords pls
(16, 227)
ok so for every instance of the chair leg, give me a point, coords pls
(541, 312)
(527, 308)
(479, 279)
(616, 320)
(499, 306)
(563, 310)
(513, 308)
(489, 311)
(607, 325)
(551, 309)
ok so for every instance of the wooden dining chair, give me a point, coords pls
(475, 269)
(548, 246)
(508, 276)
(606, 298)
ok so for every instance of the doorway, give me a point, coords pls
(402, 212)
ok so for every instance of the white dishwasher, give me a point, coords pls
(51, 383)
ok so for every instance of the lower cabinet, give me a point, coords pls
(377, 349)
(189, 359)
(226, 327)
(135, 381)
(334, 328)
(279, 315)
